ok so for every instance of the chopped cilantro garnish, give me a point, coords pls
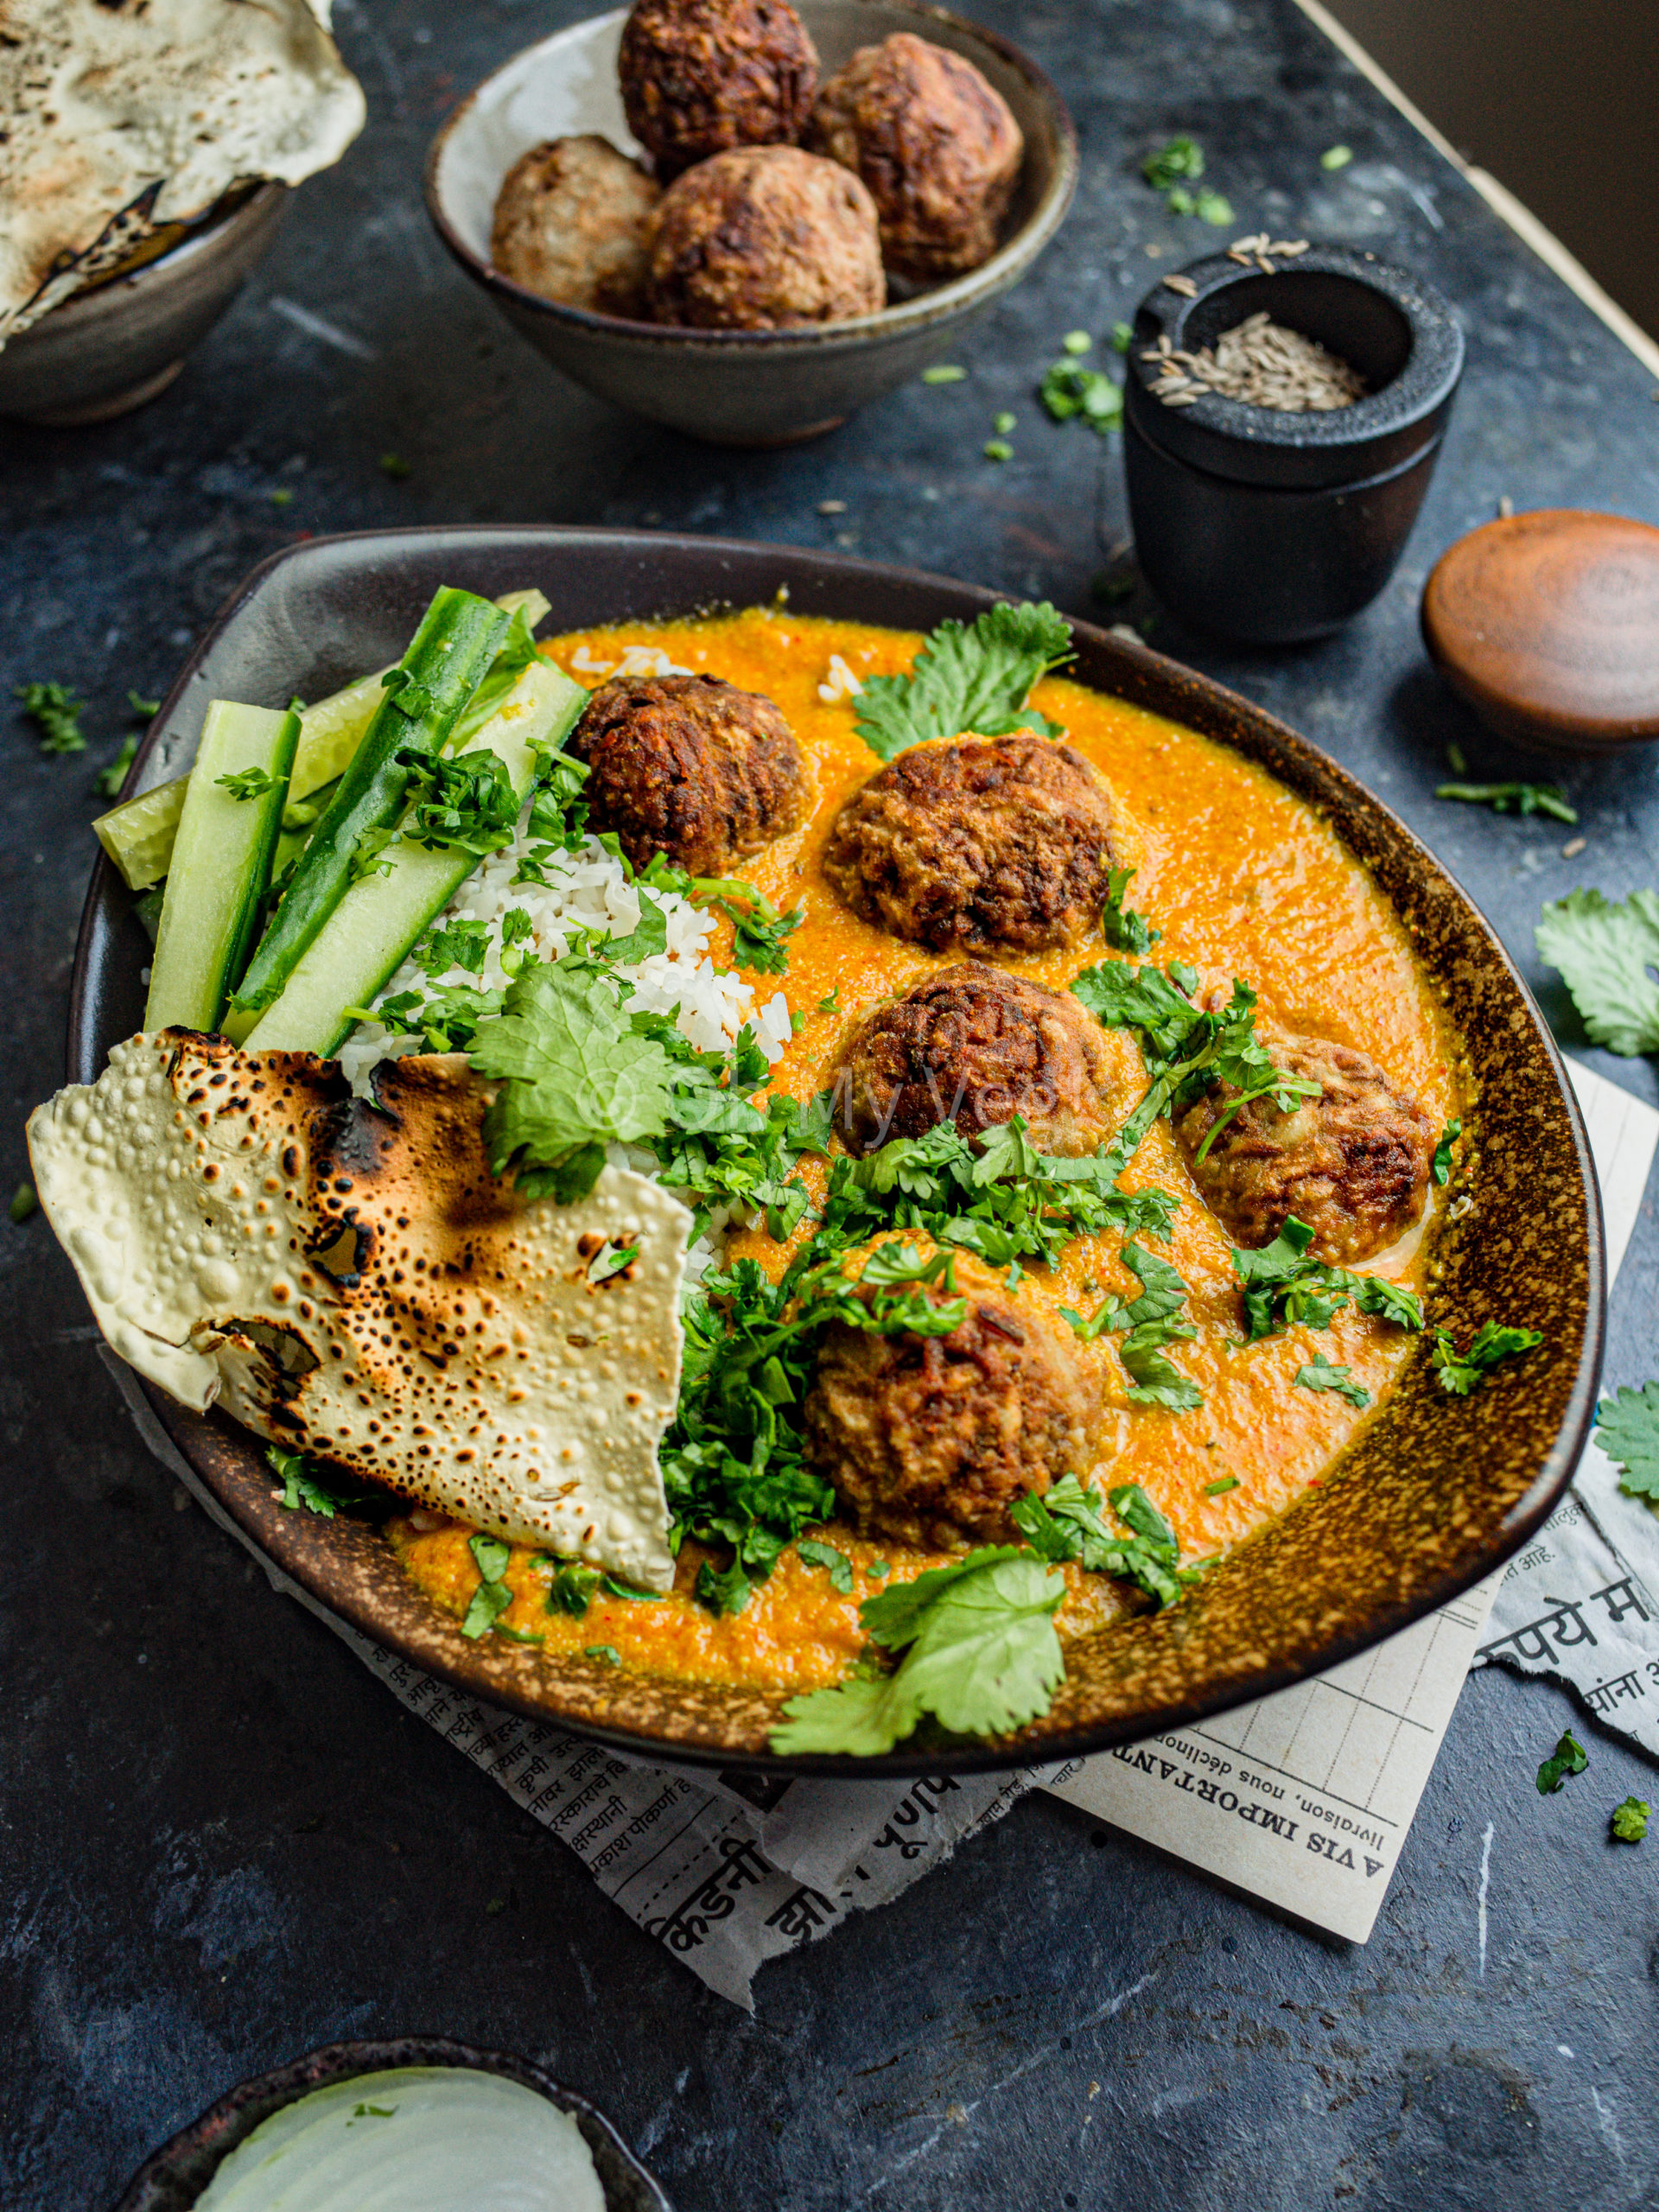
(1066, 1524)
(980, 1654)
(492, 1598)
(1321, 1374)
(973, 678)
(1441, 1166)
(306, 1482)
(1151, 1324)
(571, 1586)
(1629, 1821)
(463, 944)
(1122, 337)
(463, 804)
(1627, 1429)
(1180, 159)
(610, 1261)
(835, 1563)
(1124, 929)
(998, 449)
(1336, 157)
(246, 783)
(1604, 952)
(1220, 1489)
(143, 710)
(608, 1652)
(1568, 1756)
(1462, 1372)
(109, 779)
(1069, 389)
(760, 931)
(1513, 798)
(24, 1203)
(1284, 1289)
(56, 713)
(518, 1635)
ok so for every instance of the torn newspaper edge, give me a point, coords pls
(1290, 1798)
(1305, 1798)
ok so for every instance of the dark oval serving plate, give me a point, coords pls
(1436, 1491)
(172, 2178)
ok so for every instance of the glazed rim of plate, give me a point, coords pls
(1027, 238)
(1434, 1493)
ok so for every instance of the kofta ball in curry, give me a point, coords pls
(976, 1045)
(769, 238)
(700, 77)
(937, 145)
(929, 1440)
(570, 222)
(1353, 1163)
(977, 845)
(691, 767)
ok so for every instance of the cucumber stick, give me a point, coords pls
(448, 658)
(221, 865)
(370, 934)
(138, 834)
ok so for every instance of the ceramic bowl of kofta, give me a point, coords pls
(746, 219)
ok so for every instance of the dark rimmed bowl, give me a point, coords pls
(121, 342)
(1436, 1491)
(738, 387)
(172, 2178)
(1272, 527)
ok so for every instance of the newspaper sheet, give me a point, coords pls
(1293, 1798)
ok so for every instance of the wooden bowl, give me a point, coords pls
(1547, 624)
(1436, 1491)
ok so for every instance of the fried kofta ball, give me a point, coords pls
(976, 1045)
(979, 845)
(766, 239)
(929, 1440)
(691, 767)
(700, 77)
(1352, 1163)
(936, 144)
(570, 224)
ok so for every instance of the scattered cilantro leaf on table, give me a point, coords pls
(968, 679)
(1629, 1819)
(1179, 160)
(1513, 798)
(1320, 1375)
(981, 1655)
(1627, 1429)
(56, 713)
(1568, 1756)
(1070, 389)
(1604, 952)
(1462, 1372)
(110, 778)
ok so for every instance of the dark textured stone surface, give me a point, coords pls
(224, 1844)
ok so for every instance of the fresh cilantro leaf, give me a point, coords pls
(610, 1261)
(1513, 798)
(56, 713)
(1066, 1524)
(462, 803)
(760, 932)
(516, 926)
(1462, 1372)
(1180, 160)
(489, 1601)
(246, 783)
(723, 1590)
(620, 1589)
(648, 937)
(1321, 1374)
(491, 1555)
(1629, 1821)
(1441, 1166)
(306, 1482)
(1155, 1380)
(518, 1635)
(570, 1588)
(982, 1657)
(835, 1563)
(1284, 1289)
(368, 851)
(463, 944)
(1568, 1756)
(1604, 952)
(976, 678)
(606, 1652)
(1627, 1429)
(575, 1075)
(1220, 1489)
(109, 779)
(373, 2112)
(1126, 930)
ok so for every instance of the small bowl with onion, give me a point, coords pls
(748, 386)
(410, 2124)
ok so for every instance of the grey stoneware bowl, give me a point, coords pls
(111, 347)
(737, 387)
(1433, 1493)
(1272, 527)
(172, 2178)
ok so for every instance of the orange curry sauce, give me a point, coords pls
(1242, 879)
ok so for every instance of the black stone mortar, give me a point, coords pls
(1272, 527)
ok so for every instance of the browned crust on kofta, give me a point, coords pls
(769, 238)
(978, 845)
(700, 77)
(937, 146)
(929, 1440)
(1352, 1163)
(974, 1046)
(691, 767)
(570, 225)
